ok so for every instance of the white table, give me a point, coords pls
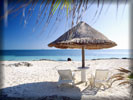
(83, 73)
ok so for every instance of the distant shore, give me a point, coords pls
(71, 59)
(88, 59)
(62, 55)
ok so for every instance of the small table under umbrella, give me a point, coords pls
(82, 36)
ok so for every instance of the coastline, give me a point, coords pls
(66, 60)
(62, 55)
(41, 78)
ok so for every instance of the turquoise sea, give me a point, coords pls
(61, 54)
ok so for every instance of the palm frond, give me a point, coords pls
(122, 76)
(98, 2)
(116, 75)
(118, 79)
(130, 76)
(123, 83)
(56, 5)
(124, 6)
(54, 8)
(123, 70)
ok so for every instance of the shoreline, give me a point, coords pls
(66, 60)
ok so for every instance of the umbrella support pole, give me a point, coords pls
(83, 57)
(83, 69)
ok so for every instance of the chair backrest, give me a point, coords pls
(65, 74)
(101, 74)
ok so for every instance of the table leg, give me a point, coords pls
(83, 75)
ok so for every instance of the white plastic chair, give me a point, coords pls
(101, 79)
(65, 76)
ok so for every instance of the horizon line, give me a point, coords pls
(64, 49)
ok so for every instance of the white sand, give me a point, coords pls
(41, 79)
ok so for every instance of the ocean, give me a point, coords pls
(61, 54)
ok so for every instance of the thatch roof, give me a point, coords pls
(82, 35)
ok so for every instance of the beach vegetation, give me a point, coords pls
(124, 76)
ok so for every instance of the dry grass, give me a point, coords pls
(123, 76)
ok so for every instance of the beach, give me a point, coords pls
(83, 43)
(40, 79)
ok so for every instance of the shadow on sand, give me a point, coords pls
(50, 91)
(41, 91)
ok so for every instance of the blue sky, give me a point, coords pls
(113, 24)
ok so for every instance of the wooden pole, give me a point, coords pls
(83, 57)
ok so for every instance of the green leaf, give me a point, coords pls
(130, 76)
(56, 5)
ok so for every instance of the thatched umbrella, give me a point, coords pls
(85, 37)
(82, 36)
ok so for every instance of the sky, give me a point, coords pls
(112, 23)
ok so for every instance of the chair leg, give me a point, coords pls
(72, 83)
(85, 83)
